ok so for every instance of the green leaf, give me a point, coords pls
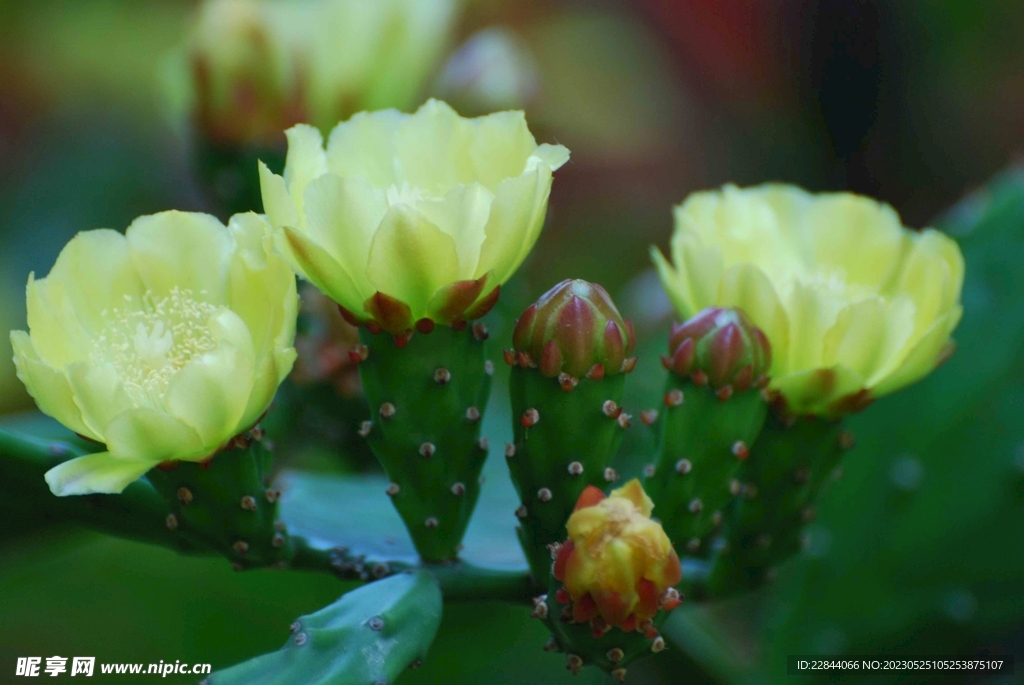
(370, 635)
(915, 549)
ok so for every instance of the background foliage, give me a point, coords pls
(915, 549)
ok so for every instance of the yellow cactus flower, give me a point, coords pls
(162, 344)
(617, 565)
(411, 218)
(251, 68)
(855, 305)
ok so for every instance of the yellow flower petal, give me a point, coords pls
(277, 203)
(500, 147)
(634, 492)
(95, 473)
(411, 258)
(315, 264)
(48, 387)
(364, 147)
(150, 435)
(514, 224)
(342, 215)
(210, 392)
(922, 358)
(94, 272)
(99, 393)
(60, 337)
(305, 161)
(433, 149)
(553, 155)
(183, 250)
(463, 214)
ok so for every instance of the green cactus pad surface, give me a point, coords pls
(427, 396)
(368, 637)
(789, 465)
(704, 443)
(568, 447)
(228, 504)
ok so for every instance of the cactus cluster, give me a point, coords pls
(571, 351)
(427, 392)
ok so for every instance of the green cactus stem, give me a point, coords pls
(427, 392)
(368, 637)
(571, 353)
(713, 411)
(138, 513)
(790, 464)
(227, 503)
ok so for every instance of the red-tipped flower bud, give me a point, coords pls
(722, 345)
(573, 328)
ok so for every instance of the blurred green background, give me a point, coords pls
(918, 549)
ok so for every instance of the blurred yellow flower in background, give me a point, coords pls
(162, 344)
(410, 217)
(855, 305)
(251, 68)
(617, 563)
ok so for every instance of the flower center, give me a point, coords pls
(149, 341)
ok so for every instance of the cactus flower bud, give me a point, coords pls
(407, 217)
(617, 563)
(721, 345)
(575, 328)
(163, 344)
(855, 304)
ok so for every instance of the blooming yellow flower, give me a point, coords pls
(251, 68)
(162, 344)
(617, 563)
(410, 217)
(855, 305)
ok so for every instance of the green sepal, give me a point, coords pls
(436, 494)
(704, 442)
(789, 465)
(227, 503)
(368, 637)
(573, 427)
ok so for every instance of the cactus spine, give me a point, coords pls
(795, 459)
(427, 393)
(714, 410)
(571, 353)
(227, 503)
